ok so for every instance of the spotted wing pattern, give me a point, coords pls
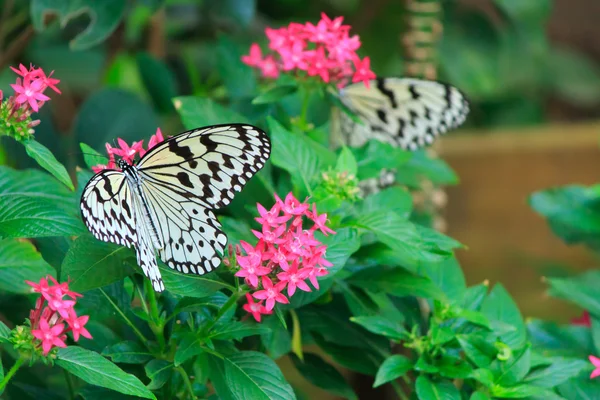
(112, 214)
(405, 112)
(188, 176)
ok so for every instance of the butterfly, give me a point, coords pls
(165, 202)
(404, 112)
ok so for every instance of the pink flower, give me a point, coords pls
(320, 221)
(363, 71)
(291, 205)
(50, 336)
(256, 309)
(251, 270)
(271, 293)
(128, 153)
(583, 320)
(320, 33)
(271, 217)
(30, 93)
(278, 38)
(155, 139)
(61, 306)
(254, 59)
(270, 236)
(596, 362)
(77, 325)
(294, 278)
(294, 56)
(316, 272)
(269, 67)
(319, 64)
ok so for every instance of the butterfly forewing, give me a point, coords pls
(409, 113)
(181, 181)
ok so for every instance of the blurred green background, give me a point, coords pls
(531, 69)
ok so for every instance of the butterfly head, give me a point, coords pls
(124, 165)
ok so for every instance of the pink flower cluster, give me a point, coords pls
(51, 311)
(326, 50)
(286, 256)
(29, 97)
(127, 152)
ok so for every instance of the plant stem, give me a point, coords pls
(13, 370)
(139, 334)
(228, 304)
(156, 324)
(399, 391)
(69, 384)
(186, 381)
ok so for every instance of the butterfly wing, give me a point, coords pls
(112, 214)
(187, 176)
(405, 112)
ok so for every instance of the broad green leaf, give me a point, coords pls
(580, 289)
(190, 345)
(159, 372)
(365, 361)
(104, 17)
(199, 111)
(448, 276)
(91, 156)
(579, 75)
(249, 375)
(499, 306)
(91, 263)
(275, 94)
(428, 390)
(525, 12)
(315, 370)
(564, 340)
(479, 396)
(237, 330)
(515, 392)
(20, 262)
(478, 350)
(395, 281)
(46, 160)
(340, 247)
(422, 166)
(91, 392)
(4, 332)
(483, 376)
(127, 352)
(158, 80)
(191, 285)
(97, 370)
(392, 368)
(580, 388)
(559, 371)
(31, 205)
(381, 326)
(346, 162)
(512, 371)
(278, 341)
(376, 156)
(395, 198)
(239, 78)
(189, 304)
(303, 158)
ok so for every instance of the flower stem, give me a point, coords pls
(228, 304)
(139, 334)
(186, 381)
(156, 324)
(9, 375)
(69, 381)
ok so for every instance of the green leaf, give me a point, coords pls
(395, 199)
(159, 372)
(20, 262)
(190, 304)
(478, 350)
(198, 111)
(31, 205)
(239, 78)
(299, 155)
(46, 160)
(91, 156)
(346, 162)
(278, 341)
(516, 392)
(513, 370)
(422, 166)
(580, 289)
(483, 376)
(448, 276)
(97, 370)
(190, 345)
(191, 285)
(395, 281)
(104, 17)
(580, 388)
(4, 332)
(91, 263)
(559, 371)
(381, 326)
(315, 370)
(392, 368)
(376, 156)
(479, 396)
(499, 306)
(579, 75)
(237, 330)
(427, 390)
(248, 375)
(158, 80)
(366, 361)
(566, 340)
(275, 94)
(127, 352)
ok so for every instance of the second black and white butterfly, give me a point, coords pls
(165, 203)
(404, 112)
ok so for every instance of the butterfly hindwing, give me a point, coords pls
(405, 112)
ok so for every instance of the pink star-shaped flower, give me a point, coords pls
(254, 59)
(319, 64)
(30, 93)
(271, 293)
(77, 325)
(291, 205)
(596, 362)
(128, 153)
(295, 278)
(50, 336)
(269, 67)
(271, 217)
(256, 309)
(363, 71)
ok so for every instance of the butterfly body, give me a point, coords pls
(165, 203)
(404, 112)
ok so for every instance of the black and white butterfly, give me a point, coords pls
(165, 203)
(404, 112)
